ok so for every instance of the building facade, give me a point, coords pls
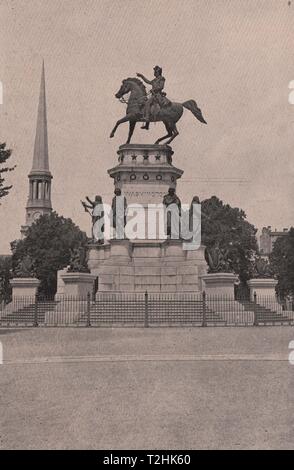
(268, 238)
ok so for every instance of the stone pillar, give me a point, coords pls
(31, 190)
(219, 284)
(24, 287)
(34, 189)
(263, 288)
(78, 284)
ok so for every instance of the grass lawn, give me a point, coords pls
(103, 388)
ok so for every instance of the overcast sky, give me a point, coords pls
(235, 58)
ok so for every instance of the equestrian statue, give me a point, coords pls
(152, 107)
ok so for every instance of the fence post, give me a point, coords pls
(204, 321)
(93, 294)
(88, 310)
(36, 311)
(146, 321)
(255, 323)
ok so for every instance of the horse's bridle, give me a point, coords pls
(143, 98)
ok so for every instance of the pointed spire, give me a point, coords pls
(41, 159)
(39, 200)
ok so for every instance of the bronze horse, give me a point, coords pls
(169, 115)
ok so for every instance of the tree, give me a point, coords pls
(282, 263)
(4, 155)
(49, 244)
(226, 227)
(5, 275)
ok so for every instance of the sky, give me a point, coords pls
(234, 57)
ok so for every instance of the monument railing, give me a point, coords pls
(142, 309)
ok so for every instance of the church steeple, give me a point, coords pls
(41, 159)
(39, 201)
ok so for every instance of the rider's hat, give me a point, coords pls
(157, 68)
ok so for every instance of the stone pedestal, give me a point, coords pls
(78, 284)
(97, 254)
(146, 263)
(263, 288)
(219, 289)
(145, 172)
(120, 250)
(221, 284)
(24, 287)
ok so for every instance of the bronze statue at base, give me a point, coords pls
(97, 215)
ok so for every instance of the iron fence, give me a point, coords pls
(145, 310)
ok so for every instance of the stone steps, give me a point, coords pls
(26, 314)
(265, 314)
(159, 312)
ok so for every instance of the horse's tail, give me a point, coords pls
(192, 106)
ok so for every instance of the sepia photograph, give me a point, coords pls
(146, 228)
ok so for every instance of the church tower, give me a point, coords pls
(39, 200)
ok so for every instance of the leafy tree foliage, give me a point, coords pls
(282, 263)
(5, 275)
(226, 227)
(4, 156)
(49, 243)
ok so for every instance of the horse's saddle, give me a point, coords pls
(162, 100)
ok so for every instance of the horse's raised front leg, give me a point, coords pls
(120, 121)
(131, 131)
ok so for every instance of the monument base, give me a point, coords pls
(219, 288)
(77, 284)
(145, 174)
(24, 287)
(146, 265)
(262, 287)
(221, 284)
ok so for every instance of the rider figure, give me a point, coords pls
(157, 95)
